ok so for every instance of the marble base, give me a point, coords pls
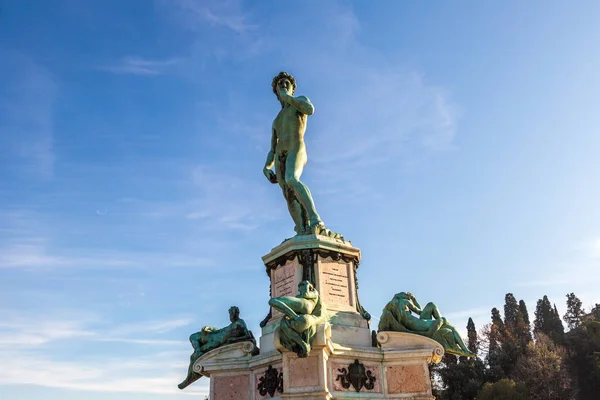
(395, 370)
(331, 265)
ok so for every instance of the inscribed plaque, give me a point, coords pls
(284, 281)
(335, 285)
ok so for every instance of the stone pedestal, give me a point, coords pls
(331, 266)
(343, 363)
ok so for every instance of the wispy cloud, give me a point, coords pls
(40, 254)
(218, 204)
(140, 66)
(35, 340)
(156, 373)
(224, 13)
(27, 114)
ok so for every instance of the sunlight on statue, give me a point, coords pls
(288, 156)
(398, 316)
(303, 314)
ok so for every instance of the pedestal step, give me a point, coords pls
(396, 370)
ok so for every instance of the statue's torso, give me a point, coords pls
(289, 126)
(409, 320)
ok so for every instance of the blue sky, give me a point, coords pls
(456, 144)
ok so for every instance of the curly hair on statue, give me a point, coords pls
(281, 76)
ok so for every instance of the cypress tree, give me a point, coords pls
(543, 316)
(495, 357)
(524, 327)
(473, 341)
(511, 311)
(511, 342)
(558, 328)
(547, 321)
(524, 313)
(574, 311)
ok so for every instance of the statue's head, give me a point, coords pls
(284, 81)
(234, 313)
(402, 295)
(307, 290)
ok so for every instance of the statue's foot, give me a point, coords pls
(315, 227)
(461, 353)
(318, 228)
(331, 234)
(304, 350)
(189, 380)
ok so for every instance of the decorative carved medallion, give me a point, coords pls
(270, 382)
(357, 376)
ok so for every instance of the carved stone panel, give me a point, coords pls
(407, 379)
(336, 284)
(231, 387)
(303, 372)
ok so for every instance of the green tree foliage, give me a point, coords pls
(504, 389)
(547, 321)
(461, 377)
(583, 349)
(518, 367)
(511, 310)
(594, 315)
(524, 327)
(510, 342)
(543, 371)
(575, 312)
(472, 339)
(495, 357)
(524, 313)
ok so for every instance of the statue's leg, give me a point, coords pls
(291, 335)
(430, 311)
(294, 206)
(298, 305)
(194, 340)
(294, 165)
(459, 340)
(192, 376)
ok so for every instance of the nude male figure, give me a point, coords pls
(302, 315)
(429, 322)
(288, 156)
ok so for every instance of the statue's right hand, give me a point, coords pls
(270, 175)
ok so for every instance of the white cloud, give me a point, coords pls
(225, 13)
(34, 341)
(140, 66)
(155, 373)
(41, 254)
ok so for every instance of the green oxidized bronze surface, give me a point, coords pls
(398, 316)
(210, 338)
(302, 315)
(288, 156)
